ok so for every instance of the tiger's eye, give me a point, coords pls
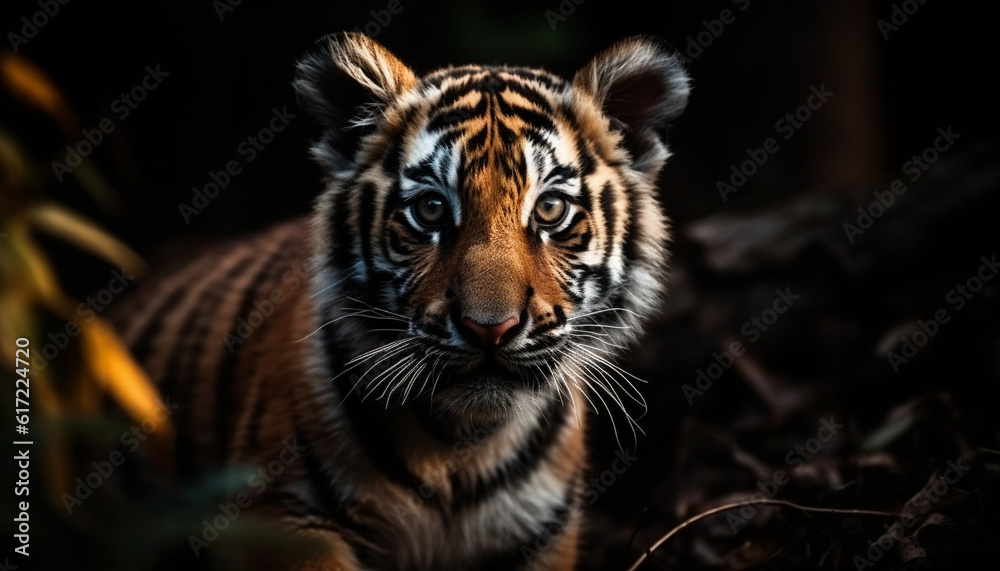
(550, 209)
(430, 209)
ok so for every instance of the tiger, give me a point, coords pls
(418, 355)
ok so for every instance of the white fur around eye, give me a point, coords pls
(425, 148)
(541, 162)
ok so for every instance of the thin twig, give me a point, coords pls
(734, 505)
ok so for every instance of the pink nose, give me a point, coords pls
(489, 335)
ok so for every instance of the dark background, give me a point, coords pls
(226, 76)
(782, 229)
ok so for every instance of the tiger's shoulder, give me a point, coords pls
(213, 324)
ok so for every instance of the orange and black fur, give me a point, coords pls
(488, 240)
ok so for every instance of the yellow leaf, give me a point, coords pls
(29, 265)
(85, 235)
(114, 370)
(30, 84)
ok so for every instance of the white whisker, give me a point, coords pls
(600, 311)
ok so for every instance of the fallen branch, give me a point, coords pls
(735, 505)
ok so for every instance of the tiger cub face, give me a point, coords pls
(488, 234)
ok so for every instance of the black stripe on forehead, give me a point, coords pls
(559, 173)
(533, 119)
(423, 172)
(509, 161)
(487, 81)
(543, 78)
(445, 118)
(438, 78)
(507, 155)
(529, 93)
(477, 142)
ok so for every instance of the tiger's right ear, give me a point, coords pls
(344, 86)
(641, 85)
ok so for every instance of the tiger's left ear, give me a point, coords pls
(344, 85)
(641, 85)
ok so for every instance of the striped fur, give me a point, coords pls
(419, 445)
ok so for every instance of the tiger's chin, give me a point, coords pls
(490, 395)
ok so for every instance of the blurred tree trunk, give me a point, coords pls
(849, 148)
